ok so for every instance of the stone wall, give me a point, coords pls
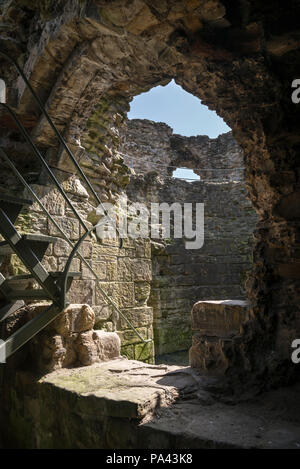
(181, 277)
(217, 270)
(152, 146)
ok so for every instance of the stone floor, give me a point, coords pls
(128, 404)
(180, 358)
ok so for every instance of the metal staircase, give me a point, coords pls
(30, 248)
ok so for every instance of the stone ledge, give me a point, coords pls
(126, 404)
(119, 388)
(215, 323)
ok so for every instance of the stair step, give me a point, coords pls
(10, 308)
(9, 287)
(15, 278)
(14, 200)
(27, 295)
(29, 330)
(12, 206)
(41, 238)
(28, 255)
(6, 249)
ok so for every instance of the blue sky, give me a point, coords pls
(179, 109)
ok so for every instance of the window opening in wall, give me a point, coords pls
(186, 174)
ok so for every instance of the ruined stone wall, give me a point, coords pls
(153, 146)
(217, 270)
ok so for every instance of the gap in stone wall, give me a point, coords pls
(164, 167)
(186, 174)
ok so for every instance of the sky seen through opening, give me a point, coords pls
(182, 111)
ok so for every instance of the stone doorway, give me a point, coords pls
(182, 277)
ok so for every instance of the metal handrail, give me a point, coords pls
(44, 163)
(60, 137)
(36, 151)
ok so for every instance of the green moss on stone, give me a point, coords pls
(168, 340)
(128, 352)
(143, 352)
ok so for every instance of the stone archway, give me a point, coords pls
(87, 60)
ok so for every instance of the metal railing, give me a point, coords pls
(75, 247)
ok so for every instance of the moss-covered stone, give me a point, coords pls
(143, 352)
(172, 339)
(128, 351)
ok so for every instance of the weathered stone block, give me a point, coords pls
(52, 200)
(50, 263)
(120, 17)
(69, 226)
(99, 251)
(193, 22)
(207, 354)
(142, 21)
(98, 267)
(75, 318)
(74, 186)
(61, 248)
(141, 270)
(102, 313)
(128, 351)
(86, 348)
(82, 291)
(177, 12)
(125, 294)
(219, 318)
(108, 344)
(75, 264)
(124, 269)
(122, 293)
(70, 340)
(109, 326)
(130, 337)
(51, 352)
(137, 316)
(134, 269)
(112, 270)
(86, 249)
(142, 292)
(143, 248)
(216, 322)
